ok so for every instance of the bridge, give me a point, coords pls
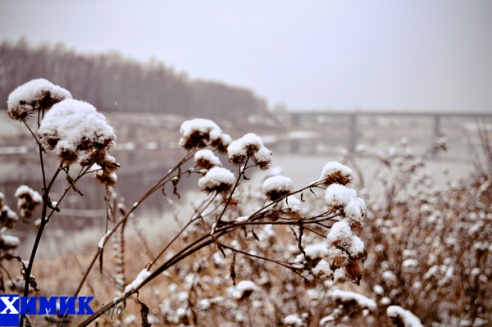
(298, 118)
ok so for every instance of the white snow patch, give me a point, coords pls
(198, 125)
(323, 269)
(217, 178)
(293, 320)
(24, 190)
(242, 219)
(409, 263)
(340, 234)
(340, 195)
(277, 184)
(292, 203)
(408, 318)
(237, 292)
(10, 241)
(73, 123)
(103, 240)
(388, 276)
(249, 145)
(357, 247)
(355, 210)
(141, 277)
(33, 91)
(333, 168)
(207, 156)
(317, 250)
(346, 296)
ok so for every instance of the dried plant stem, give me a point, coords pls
(191, 221)
(203, 241)
(280, 263)
(242, 170)
(159, 184)
(44, 221)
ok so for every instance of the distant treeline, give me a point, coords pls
(112, 82)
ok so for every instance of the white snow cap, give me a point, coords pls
(355, 211)
(277, 186)
(347, 296)
(10, 241)
(201, 125)
(249, 145)
(217, 179)
(206, 158)
(340, 197)
(242, 288)
(293, 320)
(292, 203)
(31, 95)
(317, 250)
(137, 282)
(200, 132)
(24, 191)
(357, 247)
(75, 128)
(340, 235)
(323, 269)
(407, 317)
(335, 172)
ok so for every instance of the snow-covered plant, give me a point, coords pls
(245, 231)
(27, 201)
(8, 243)
(35, 96)
(430, 243)
(79, 135)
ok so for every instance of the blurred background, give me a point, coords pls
(315, 79)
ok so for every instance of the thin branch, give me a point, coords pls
(165, 179)
(280, 263)
(191, 221)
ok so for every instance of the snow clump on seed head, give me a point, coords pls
(217, 179)
(8, 217)
(27, 201)
(276, 187)
(105, 176)
(344, 200)
(338, 196)
(206, 159)
(335, 172)
(355, 211)
(402, 317)
(34, 95)
(242, 290)
(292, 204)
(340, 235)
(9, 242)
(249, 146)
(200, 132)
(78, 133)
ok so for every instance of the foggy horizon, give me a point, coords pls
(318, 55)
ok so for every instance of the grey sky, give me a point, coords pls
(380, 54)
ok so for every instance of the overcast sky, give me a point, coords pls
(374, 54)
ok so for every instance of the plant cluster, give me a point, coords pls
(253, 249)
(430, 247)
(240, 233)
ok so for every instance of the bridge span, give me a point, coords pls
(351, 118)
